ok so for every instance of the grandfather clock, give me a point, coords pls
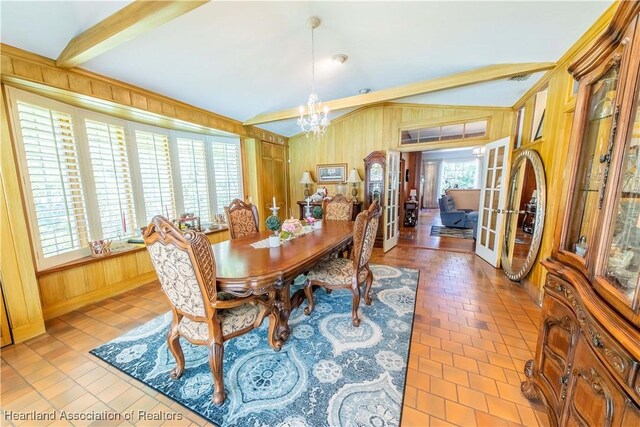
(374, 175)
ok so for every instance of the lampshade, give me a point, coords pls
(413, 193)
(306, 178)
(354, 177)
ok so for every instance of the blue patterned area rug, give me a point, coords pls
(328, 373)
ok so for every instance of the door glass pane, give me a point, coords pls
(623, 259)
(489, 178)
(595, 143)
(492, 158)
(500, 157)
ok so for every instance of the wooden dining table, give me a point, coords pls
(243, 270)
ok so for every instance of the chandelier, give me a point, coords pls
(315, 122)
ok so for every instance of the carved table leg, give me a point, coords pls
(283, 302)
(527, 387)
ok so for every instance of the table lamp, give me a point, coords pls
(306, 180)
(354, 179)
(413, 194)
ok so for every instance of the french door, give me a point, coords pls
(492, 201)
(392, 206)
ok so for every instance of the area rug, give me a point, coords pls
(442, 231)
(328, 373)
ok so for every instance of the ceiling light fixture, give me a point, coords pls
(364, 90)
(315, 122)
(339, 58)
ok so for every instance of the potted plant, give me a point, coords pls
(273, 224)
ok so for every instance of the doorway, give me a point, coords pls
(456, 170)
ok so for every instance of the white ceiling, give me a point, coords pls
(240, 59)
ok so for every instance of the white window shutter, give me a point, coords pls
(227, 170)
(52, 163)
(193, 174)
(155, 174)
(112, 178)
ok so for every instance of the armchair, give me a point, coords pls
(202, 315)
(452, 217)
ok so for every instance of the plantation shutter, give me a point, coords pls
(110, 166)
(193, 174)
(155, 174)
(51, 156)
(227, 170)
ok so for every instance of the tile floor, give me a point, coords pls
(472, 334)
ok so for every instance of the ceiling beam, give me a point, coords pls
(127, 23)
(465, 78)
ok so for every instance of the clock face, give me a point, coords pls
(376, 174)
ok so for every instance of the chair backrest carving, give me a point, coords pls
(242, 218)
(338, 208)
(185, 266)
(364, 234)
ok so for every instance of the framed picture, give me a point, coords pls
(331, 173)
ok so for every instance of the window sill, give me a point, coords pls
(131, 248)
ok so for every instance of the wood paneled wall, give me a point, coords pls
(554, 145)
(352, 137)
(16, 262)
(93, 91)
(64, 290)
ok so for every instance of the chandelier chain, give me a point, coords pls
(316, 121)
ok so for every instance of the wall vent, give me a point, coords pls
(520, 77)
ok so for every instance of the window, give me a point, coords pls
(459, 174)
(51, 155)
(155, 174)
(227, 166)
(449, 132)
(194, 177)
(89, 176)
(112, 178)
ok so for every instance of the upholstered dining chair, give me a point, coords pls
(242, 218)
(186, 269)
(349, 273)
(338, 208)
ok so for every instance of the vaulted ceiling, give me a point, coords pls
(241, 59)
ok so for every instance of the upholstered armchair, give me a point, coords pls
(349, 273)
(452, 217)
(339, 208)
(186, 269)
(242, 218)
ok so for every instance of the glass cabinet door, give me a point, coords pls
(590, 173)
(622, 260)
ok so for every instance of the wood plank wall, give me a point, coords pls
(16, 262)
(352, 137)
(64, 290)
(554, 145)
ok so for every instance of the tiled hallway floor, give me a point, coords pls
(472, 334)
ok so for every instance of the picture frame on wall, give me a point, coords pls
(331, 173)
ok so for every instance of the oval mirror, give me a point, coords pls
(524, 215)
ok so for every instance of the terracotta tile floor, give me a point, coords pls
(472, 334)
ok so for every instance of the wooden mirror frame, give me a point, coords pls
(536, 162)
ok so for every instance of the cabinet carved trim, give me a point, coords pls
(606, 43)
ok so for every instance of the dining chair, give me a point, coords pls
(242, 218)
(339, 208)
(349, 273)
(202, 315)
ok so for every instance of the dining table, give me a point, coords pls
(243, 270)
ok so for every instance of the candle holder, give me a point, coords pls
(274, 210)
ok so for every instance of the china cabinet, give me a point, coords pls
(374, 173)
(586, 369)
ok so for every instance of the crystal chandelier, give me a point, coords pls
(316, 121)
